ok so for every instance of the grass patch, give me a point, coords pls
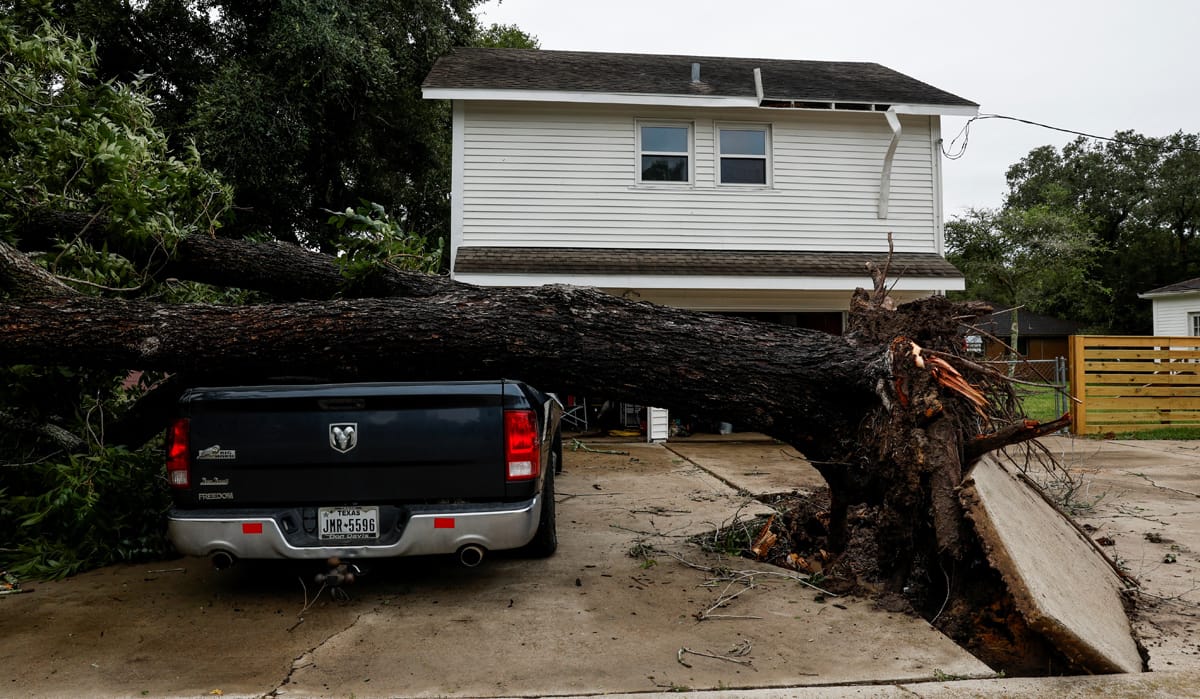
(1154, 432)
(1038, 402)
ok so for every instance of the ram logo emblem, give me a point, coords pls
(343, 436)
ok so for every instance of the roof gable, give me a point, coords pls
(1190, 285)
(652, 74)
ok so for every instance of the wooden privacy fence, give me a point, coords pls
(1125, 384)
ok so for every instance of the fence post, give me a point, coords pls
(1062, 404)
(1078, 394)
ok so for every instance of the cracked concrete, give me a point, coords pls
(306, 658)
(1150, 480)
(1139, 498)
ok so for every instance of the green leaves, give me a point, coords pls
(1087, 228)
(90, 509)
(316, 105)
(371, 240)
(69, 142)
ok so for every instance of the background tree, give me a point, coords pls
(1085, 229)
(1038, 259)
(302, 106)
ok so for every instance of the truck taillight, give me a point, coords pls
(522, 448)
(178, 471)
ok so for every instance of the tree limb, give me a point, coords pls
(280, 270)
(62, 438)
(1015, 433)
(21, 278)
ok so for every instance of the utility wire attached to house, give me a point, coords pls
(949, 151)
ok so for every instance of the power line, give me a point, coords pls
(965, 135)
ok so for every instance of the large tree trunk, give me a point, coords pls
(790, 383)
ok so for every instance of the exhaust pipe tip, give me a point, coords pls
(471, 555)
(222, 560)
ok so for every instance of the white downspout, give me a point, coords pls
(758, 91)
(458, 141)
(885, 178)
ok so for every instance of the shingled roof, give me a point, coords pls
(579, 71)
(592, 261)
(1176, 288)
(1029, 324)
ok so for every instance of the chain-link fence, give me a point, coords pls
(1050, 372)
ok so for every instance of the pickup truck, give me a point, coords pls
(365, 470)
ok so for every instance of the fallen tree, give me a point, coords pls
(890, 414)
(107, 219)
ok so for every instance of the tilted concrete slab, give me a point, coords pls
(1062, 586)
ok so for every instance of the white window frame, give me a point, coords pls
(638, 152)
(766, 157)
(1193, 320)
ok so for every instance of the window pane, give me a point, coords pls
(743, 142)
(670, 139)
(664, 168)
(743, 171)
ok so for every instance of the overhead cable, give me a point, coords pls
(951, 153)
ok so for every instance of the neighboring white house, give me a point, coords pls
(1176, 308)
(721, 184)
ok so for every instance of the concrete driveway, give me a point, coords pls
(592, 619)
(1140, 500)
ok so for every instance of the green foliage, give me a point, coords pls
(505, 36)
(85, 510)
(1087, 228)
(1039, 258)
(371, 239)
(71, 143)
(301, 105)
(315, 104)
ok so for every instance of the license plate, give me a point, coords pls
(348, 523)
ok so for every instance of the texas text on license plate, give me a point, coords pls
(348, 523)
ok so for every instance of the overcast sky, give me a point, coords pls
(1096, 66)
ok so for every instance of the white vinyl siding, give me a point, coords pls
(547, 175)
(1173, 314)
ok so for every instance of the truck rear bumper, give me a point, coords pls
(426, 529)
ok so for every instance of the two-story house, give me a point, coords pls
(721, 184)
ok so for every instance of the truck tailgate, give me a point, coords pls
(391, 443)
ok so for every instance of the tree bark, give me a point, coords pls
(791, 383)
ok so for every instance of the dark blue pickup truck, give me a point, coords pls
(364, 470)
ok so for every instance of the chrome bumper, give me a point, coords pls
(255, 533)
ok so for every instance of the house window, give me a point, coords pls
(743, 154)
(1194, 324)
(665, 152)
